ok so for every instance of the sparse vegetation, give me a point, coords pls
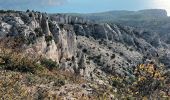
(131, 49)
(17, 61)
(38, 32)
(28, 10)
(48, 38)
(113, 56)
(121, 53)
(84, 50)
(59, 82)
(61, 26)
(149, 82)
(50, 64)
(2, 11)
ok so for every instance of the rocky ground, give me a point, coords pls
(64, 57)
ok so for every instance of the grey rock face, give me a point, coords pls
(44, 25)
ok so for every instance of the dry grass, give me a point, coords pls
(17, 85)
(23, 77)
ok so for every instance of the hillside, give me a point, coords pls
(124, 15)
(68, 57)
(154, 20)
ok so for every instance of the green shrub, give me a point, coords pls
(38, 32)
(61, 25)
(113, 56)
(2, 11)
(17, 62)
(28, 10)
(50, 64)
(121, 53)
(150, 79)
(84, 50)
(131, 49)
(48, 38)
(59, 82)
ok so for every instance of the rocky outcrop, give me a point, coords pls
(67, 19)
(44, 25)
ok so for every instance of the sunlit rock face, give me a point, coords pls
(82, 46)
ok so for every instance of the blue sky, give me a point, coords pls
(84, 6)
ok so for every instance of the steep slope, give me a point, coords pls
(82, 47)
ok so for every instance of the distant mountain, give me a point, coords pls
(124, 15)
(155, 20)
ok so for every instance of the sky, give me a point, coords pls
(84, 6)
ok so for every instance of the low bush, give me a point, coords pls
(61, 26)
(121, 53)
(2, 11)
(50, 64)
(48, 38)
(17, 61)
(149, 81)
(38, 32)
(59, 82)
(113, 56)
